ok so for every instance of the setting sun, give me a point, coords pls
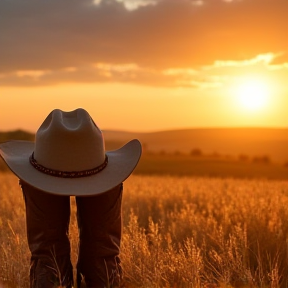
(252, 93)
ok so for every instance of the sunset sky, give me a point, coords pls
(145, 65)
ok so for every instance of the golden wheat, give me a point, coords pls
(178, 232)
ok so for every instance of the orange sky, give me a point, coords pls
(145, 65)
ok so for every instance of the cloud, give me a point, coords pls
(153, 35)
(201, 77)
(136, 4)
(94, 73)
(262, 58)
(280, 59)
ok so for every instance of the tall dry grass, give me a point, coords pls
(178, 232)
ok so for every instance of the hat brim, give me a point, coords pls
(121, 164)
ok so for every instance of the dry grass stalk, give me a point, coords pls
(178, 232)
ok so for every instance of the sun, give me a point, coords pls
(252, 93)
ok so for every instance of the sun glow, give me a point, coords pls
(252, 93)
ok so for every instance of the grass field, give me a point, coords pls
(223, 167)
(178, 232)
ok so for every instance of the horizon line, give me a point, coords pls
(169, 129)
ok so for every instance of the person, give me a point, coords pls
(68, 158)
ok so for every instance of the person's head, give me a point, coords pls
(68, 156)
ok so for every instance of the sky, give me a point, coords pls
(145, 65)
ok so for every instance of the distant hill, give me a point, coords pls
(16, 135)
(225, 141)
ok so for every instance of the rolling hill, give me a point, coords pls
(225, 141)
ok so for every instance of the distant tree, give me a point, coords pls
(196, 152)
(243, 157)
(178, 153)
(162, 152)
(262, 159)
(16, 135)
(216, 154)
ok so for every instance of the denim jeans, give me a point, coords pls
(99, 222)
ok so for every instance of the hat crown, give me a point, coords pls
(69, 141)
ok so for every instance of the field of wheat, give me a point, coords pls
(178, 232)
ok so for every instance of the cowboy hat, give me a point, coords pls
(68, 156)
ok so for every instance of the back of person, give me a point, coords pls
(68, 159)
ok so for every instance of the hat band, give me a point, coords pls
(67, 174)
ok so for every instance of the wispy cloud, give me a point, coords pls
(135, 4)
(202, 77)
(262, 58)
